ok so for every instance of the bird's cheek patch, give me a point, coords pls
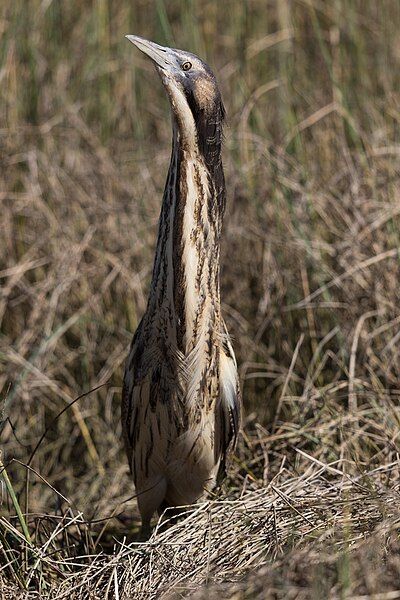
(204, 93)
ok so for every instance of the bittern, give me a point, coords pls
(181, 400)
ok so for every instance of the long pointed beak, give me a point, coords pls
(157, 53)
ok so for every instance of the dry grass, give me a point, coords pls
(310, 284)
(224, 540)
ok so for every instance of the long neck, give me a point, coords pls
(185, 287)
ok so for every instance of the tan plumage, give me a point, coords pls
(181, 398)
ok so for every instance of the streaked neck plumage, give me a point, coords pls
(184, 300)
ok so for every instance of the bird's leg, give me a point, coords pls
(145, 531)
(170, 516)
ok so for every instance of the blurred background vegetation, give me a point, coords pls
(310, 274)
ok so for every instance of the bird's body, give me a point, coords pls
(181, 398)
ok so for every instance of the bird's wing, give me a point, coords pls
(133, 388)
(128, 415)
(148, 399)
(228, 408)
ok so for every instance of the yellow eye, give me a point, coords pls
(187, 66)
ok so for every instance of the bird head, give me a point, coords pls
(192, 90)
